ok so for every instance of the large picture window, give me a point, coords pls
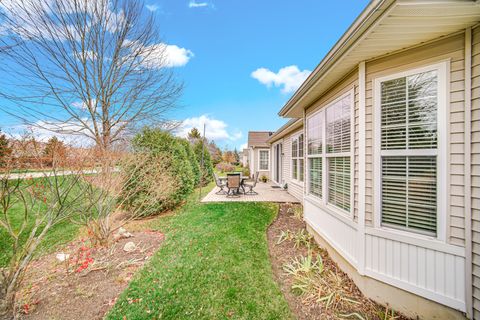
(409, 109)
(329, 152)
(298, 161)
(264, 160)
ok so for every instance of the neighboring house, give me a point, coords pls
(259, 152)
(288, 157)
(244, 157)
(392, 155)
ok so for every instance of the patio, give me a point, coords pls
(266, 193)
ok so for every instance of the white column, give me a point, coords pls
(361, 168)
(467, 173)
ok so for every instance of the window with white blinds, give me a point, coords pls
(409, 151)
(297, 157)
(338, 153)
(329, 167)
(263, 160)
(315, 153)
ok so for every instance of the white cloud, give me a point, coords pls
(152, 7)
(167, 55)
(243, 146)
(289, 78)
(214, 129)
(195, 4)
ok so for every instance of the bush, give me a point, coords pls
(193, 160)
(167, 176)
(207, 168)
(225, 167)
(246, 171)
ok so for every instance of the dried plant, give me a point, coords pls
(44, 201)
(299, 238)
(105, 208)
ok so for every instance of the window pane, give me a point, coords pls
(315, 176)
(294, 148)
(338, 126)
(300, 145)
(314, 132)
(409, 192)
(339, 182)
(300, 169)
(263, 160)
(294, 169)
(409, 112)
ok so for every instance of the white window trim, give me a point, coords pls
(295, 137)
(442, 69)
(268, 162)
(324, 156)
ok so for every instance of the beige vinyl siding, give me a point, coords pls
(449, 49)
(475, 170)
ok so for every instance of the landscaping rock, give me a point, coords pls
(129, 247)
(122, 234)
(62, 256)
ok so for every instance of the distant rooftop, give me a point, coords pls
(258, 139)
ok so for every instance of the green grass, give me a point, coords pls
(58, 235)
(213, 264)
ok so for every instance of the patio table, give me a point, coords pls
(242, 181)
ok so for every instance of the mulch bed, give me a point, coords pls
(91, 286)
(303, 307)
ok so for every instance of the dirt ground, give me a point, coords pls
(304, 307)
(95, 278)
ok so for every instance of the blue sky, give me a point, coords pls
(221, 45)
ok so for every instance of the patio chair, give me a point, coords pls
(251, 185)
(220, 183)
(233, 185)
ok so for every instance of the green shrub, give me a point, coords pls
(207, 168)
(167, 176)
(193, 160)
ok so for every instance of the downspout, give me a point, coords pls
(361, 167)
(467, 175)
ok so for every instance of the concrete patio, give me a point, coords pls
(266, 193)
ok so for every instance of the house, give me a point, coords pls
(244, 157)
(391, 155)
(288, 162)
(259, 152)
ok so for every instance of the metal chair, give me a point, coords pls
(252, 184)
(220, 183)
(233, 185)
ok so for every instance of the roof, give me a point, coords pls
(291, 125)
(258, 139)
(384, 27)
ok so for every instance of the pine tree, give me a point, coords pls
(5, 149)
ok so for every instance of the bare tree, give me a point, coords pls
(92, 68)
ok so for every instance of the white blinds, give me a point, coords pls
(338, 126)
(409, 117)
(315, 134)
(409, 122)
(297, 158)
(329, 169)
(315, 176)
(339, 182)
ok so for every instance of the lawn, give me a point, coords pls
(214, 264)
